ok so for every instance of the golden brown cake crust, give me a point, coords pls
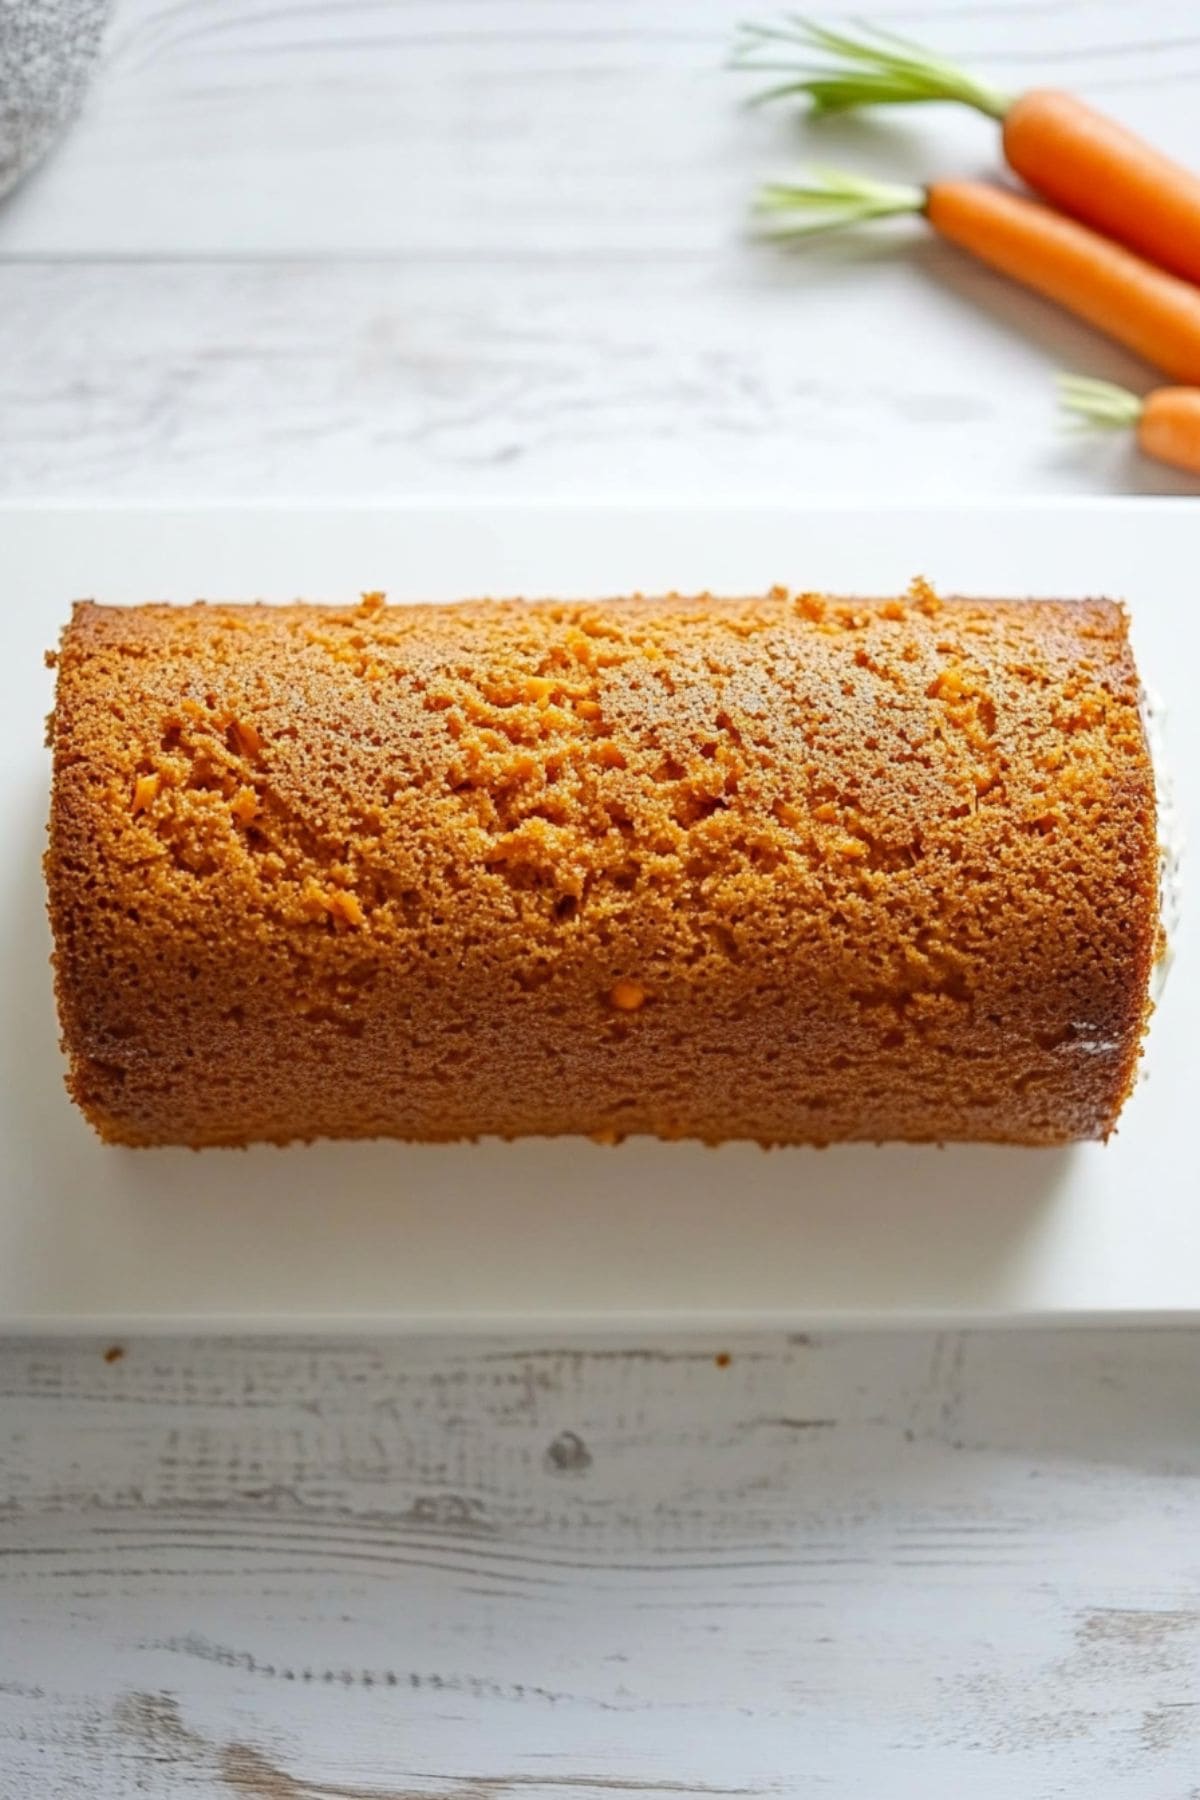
(785, 868)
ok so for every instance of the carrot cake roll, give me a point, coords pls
(789, 868)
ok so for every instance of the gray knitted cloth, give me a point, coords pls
(47, 48)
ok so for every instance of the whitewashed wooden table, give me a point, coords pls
(491, 247)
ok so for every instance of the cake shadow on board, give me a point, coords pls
(539, 1226)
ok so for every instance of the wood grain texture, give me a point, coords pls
(913, 1563)
(532, 127)
(326, 380)
(502, 246)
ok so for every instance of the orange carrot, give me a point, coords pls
(1167, 421)
(1084, 162)
(1150, 312)
(1107, 176)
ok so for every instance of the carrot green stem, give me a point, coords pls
(838, 71)
(830, 201)
(1099, 403)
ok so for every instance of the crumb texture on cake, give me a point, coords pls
(788, 868)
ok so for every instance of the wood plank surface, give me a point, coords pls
(504, 246)
(904, 1564)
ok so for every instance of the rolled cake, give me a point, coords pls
(786, 868)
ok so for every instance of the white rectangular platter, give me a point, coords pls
(567, 1232)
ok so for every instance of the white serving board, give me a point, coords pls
(568, 1232)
